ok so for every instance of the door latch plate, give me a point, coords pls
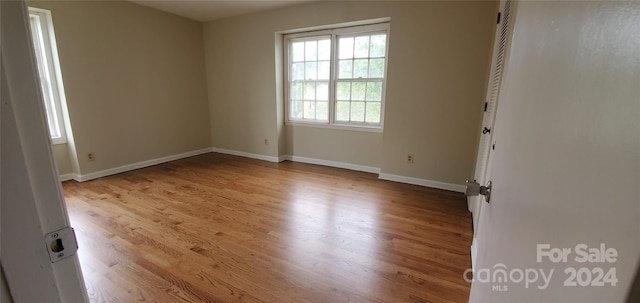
(61, 244)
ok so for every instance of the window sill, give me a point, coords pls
(58, 141)
(369, 129)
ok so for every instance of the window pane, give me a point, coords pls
(324, 49)
(296, 110)
(342, 111)
(376, 68)
(373, 112)
(322, 111)
(309, 110)
(378, 43)
(374, 91)
(44, 59)
(297, 71)
(310, 70)
(309, 91)
(343, 91)
(360, 68)
(358, 90)
(357, 111)
(345, 69)
(357, 73)
(311, 51)
(324, 70)
(297, 91)
(297, 52)
(362, 47)
(346, 48)
(322, 91)
(49, 104)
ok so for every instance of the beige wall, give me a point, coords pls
(353, 147)
(134, 80)
(436, 88)
(63, 161)
(136, 87)
(438, 59)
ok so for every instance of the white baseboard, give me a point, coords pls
(246, 155)
(284, 158)
(350, 166)
(66, 177)
(423, 182)
(132, 166)
(356, 167)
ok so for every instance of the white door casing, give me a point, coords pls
(566, 167)
(32, 201)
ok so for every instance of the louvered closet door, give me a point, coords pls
(503, 32)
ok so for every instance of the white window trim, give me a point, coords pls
(50, 52)
(375, 26)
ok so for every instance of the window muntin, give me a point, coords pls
(337, 77)
(361, 65)
(310, 72)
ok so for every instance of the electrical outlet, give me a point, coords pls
(91, 156)
(410, 158)
(266, 141)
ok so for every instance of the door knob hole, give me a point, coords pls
(56, 245)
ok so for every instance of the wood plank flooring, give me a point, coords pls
(220, 228)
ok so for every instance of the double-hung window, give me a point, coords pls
(337, 77)
(48, 71)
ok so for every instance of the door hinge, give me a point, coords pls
(499, 15)
(61, 244)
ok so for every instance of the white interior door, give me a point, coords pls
(501, 43)
(566, 167)
(32, 201)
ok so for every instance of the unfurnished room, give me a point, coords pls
(320, 151)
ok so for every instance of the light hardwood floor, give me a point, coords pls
(219, 228)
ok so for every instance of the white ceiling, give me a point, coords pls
(207, 10)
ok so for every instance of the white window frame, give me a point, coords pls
(46, 52)
(335, 33)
